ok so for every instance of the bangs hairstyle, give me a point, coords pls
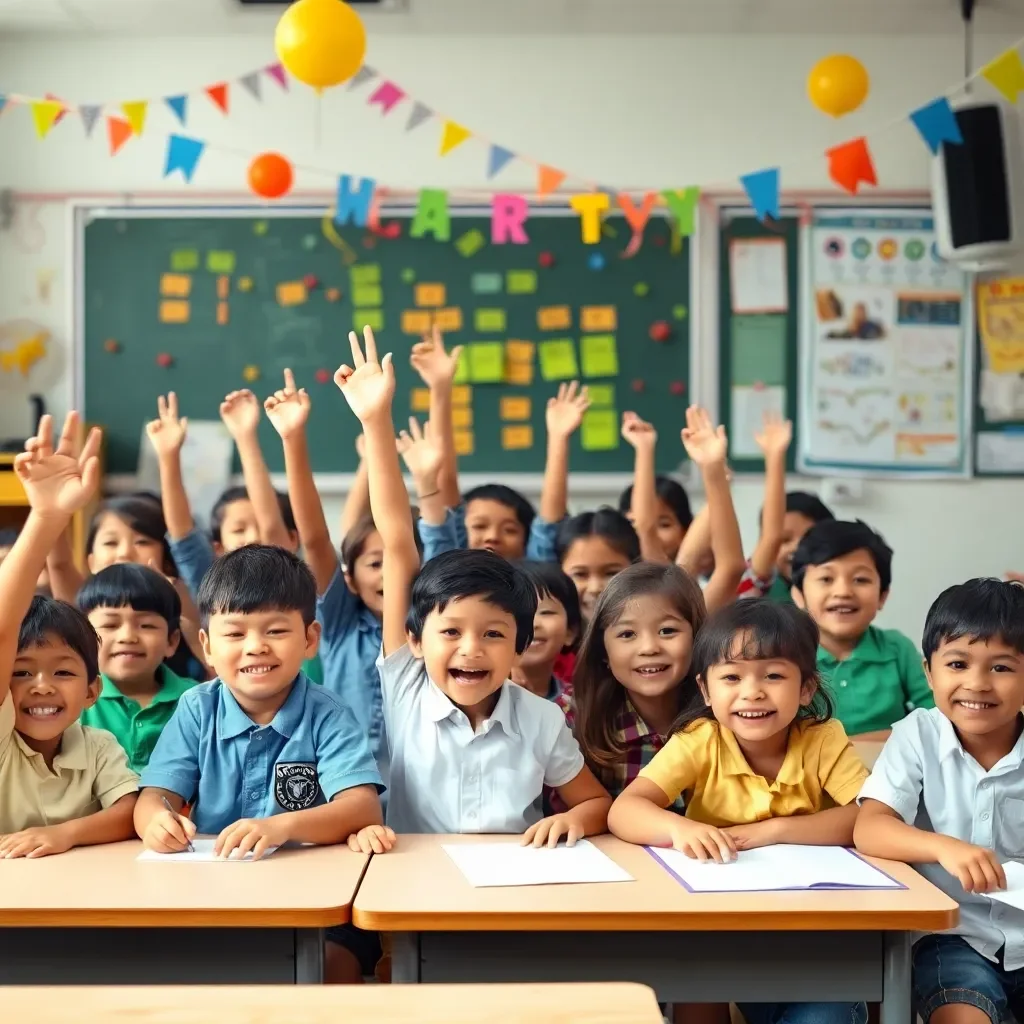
(524, 511)
(354, 543)
(805, 504)
(549, 581)
(477, 573)
(48, 620)
(611, 526)
(141, 514)
(233, 494)
(257, 578)
(671, 492)
(132, 586)
(833, 538)
(980, 609)
(599, 697)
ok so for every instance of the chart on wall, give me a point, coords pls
(885, 363)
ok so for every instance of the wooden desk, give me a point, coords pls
(383, 1004)
(108, 919)
(796, 946)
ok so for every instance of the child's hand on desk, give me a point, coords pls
(59, 481)
(255, 835)
(976, 868)
(548, 831)
(168, 833)
(240, 412)
(368, 385)
(372, 839)
(431, 362)
(705, 443)
(36, 842)
(564, 413)
(167, 432)
(701, 842)
(288, 409)
(758, 833)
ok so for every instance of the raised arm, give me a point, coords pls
(643, 437)
(167, 434)
(774, 440)
(695, 550)
(66, 578)
(421, 450)
(563, 417)
(357, 501)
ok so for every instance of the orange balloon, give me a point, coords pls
(270, 175)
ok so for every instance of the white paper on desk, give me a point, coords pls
(1013, 896)
(494, 864)
(203, 854)
(773, 868)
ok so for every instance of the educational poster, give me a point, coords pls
(1001, 378)
(885, 361)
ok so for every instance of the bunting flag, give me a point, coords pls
(454, 135)
(548, 179)
(63, 109)
(90, 114)
(850, 164)
(497, 160)
(135, 111)
(362, 76)
(420, 114)
(278, 74)
(182, 155)
(3, 102)
(179, 104)
(1006, 73)
(219, 94)
(251, 84)
(45, 114)
(386, 95)
(937, 124)
(118, 132)
(762, 188)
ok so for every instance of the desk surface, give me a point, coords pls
(383, 1004)
(417, 887)
(105, 887)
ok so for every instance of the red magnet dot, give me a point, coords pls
(165, 360)
(111, 346)
(323, 376)
(677, 387)
(546, 260)
(638, 385)
(311, 281)
(660, 331)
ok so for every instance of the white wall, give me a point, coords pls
(640, 111)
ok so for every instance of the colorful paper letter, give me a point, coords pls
(682, 204)
(508, 214)
(590, 206)
(432, 216)
(354, 204)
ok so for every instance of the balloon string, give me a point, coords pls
(317, 117)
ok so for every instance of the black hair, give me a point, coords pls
(767, 630)
(805, 504)
(257, 578)
(238, 493)
(8, 537)
(608, 524)
(128, 585)
(142, 515)
(980, 609)
(833, 538)
(549, 581)
(506, 496)
(354, 542)
(475, 573)
(671, 492)
(47, 618)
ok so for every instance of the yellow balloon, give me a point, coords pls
(320, 42)
(838, 84)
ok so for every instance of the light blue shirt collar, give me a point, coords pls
(235, 722)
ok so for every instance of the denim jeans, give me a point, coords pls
(804, 1013)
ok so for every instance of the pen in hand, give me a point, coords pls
(191, 848)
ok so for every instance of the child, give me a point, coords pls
(758, 757)
(803, 511)
(136, 614)
(451, 634)
(62, 784)
(841, 575)
(8, 536)
(946, 795)
(673, 513)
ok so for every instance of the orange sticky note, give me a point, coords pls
(514, 407)
(518, 351)
(462, 416)
(598, 318)
(415, 321)
(463, 442)
(518, 373)
(291, 293)
(516, 438)
(449, 319)
(554, 318)
(462, 394)
(222, 313)
(419, 400)
(223, 284)
(174, 311)
(430, 295)
(176, 286)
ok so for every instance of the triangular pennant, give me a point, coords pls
(179, 104)
(420, 113)
(63, 111)
(251, 84)
(136, 114)
(362, 76)
(219, 94)
(498, 158)
(548, 179)
(182, 155)
(453, 136)
(45, 114)
(850, 164)
(90, 114)
(119, 132)
(937, 124)
(762, 188)
(278, 74)
(3, 102)
(1006, 73)
(385, 96)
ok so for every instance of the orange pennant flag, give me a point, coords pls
(119, 132)
(548, 179)
(219, 94)
(453, 135)
(850, 164)
(1006, 73)
(45, 114)
(136, 114)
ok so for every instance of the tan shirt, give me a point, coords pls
(89, 774)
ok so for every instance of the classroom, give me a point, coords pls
(538, 481)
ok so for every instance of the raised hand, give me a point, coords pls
(420, 450)
(167, 432)
(775, 434)
(240, 412)
(368, 385)
(704, 443)
(637, 432)
(288, 409)
(59, 481)
(564, 413)
(431, 362)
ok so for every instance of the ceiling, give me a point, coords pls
(410, 17)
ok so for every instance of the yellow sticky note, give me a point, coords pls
(462, 416)
(463, 442)
(601, 395)
(489, 319)
(364, 273)
(415, 321)
(598, 318)
(176, 286)
(487, 362)
(600, 430)
(291, 293)
(518, 373)
(223, 314)
(521, 282)
(461, 396)
(554, 318)
(220, 262)
(368, 295)
(516, 438)
(558, 359)
(372, 318)
(431, 295)
(519, 351)
(223, 286)
(174, 311)
(514, 407)
(599, 355)
(419, 400)
(449, 319)
(470, 243)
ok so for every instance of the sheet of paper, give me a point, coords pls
(470, 243)
(461, 396)
(487, 362)
(463, 442)
(220, 262)
(521, 282)
(758, 275)
(368, 295)
(291, 293)
(507, 864)
(185, 259)
(416, 321)
(419, 400)
(174, 311)
(364, 273)
(601, 395)
(517, 437)
(758, 350)
(558, 359)
(203, 855)
(462, 417)
(431, 295)
(489, 319)
(485, 283)
(1013, 895)
(600, 430)
(372, 318)
(598, 318)
(449, 319)
(599, 355)
(515, 407)
(519, 351)
(554, 318)
(748, 406)
(175, 286)
(999, 452)
(518, 373)
(774, 868)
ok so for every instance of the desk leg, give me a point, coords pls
(896, 1002)
(309, 956)
(405, 958)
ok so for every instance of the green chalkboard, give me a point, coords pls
(238, 317)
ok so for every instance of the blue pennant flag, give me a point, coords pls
(179, 104)
(762, 188)
(937, 124)
(498, 159)
(182, 155)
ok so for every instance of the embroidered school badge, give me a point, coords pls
(296, 786)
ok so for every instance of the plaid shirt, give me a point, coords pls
(752, 585)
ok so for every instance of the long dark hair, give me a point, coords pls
(143, 515)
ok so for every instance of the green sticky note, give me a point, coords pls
(601, 395)
(758, 350)
(487, 362)
(364, 273)
(367, 295)
(372, 318)
(462, 369)
(600, 430)
(521, 282)
(558, 359)
(485, 284)
(470, 243)
(490, 319)
(220, 262)
(599, 355)
(185, 259)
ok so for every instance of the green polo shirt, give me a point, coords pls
(878, 684)
(135, 727)
(780, 591)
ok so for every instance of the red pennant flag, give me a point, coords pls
(64, 110)
(219, 94)
(119, 133)
(850, 164)
(548, 179)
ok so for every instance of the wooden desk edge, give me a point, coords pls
(175, 917)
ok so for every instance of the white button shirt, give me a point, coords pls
(926, 777)
(446, 779)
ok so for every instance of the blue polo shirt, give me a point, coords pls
(216, 758)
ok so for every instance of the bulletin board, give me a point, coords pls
(204, 301)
